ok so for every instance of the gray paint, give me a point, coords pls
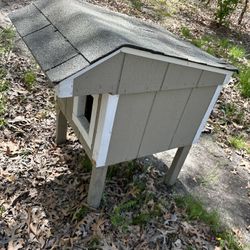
(164, 117)
(193, 114)
(130, 121)
(209, 78)
(179, 76)
(103, 78)
(93, 33)
(49, 47)
(141, 75)
(66, 106)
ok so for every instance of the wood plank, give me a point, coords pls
(209, 78)
(130, 121)
(194, 112)
(101, 79)
(179, 76)
(96, 186)
(141, 74)
(163, 121)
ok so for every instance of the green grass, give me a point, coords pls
(237, 52)
(186, 32)
(137, 4)
(239, 142)
(195, 211)
(244, 82)
(7, 36)
(86, 163)
(29, 78)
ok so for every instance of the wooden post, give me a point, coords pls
(96, 186)
(176, 165)
(61, 126)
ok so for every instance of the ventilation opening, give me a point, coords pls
(84, 115)
(88, 107)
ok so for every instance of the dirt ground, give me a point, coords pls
(220, 179)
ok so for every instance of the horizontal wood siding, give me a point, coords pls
(179, 77)
(103, 78)
(130, 121)
(194, 112)
(163, 121)
(141, 74)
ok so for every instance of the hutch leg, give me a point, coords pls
(176, 165)
(61, 126)
(96, 186)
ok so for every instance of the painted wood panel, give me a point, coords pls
(131, 117)
(163, 121)
(179, 76)
(193, 114)
(66, 105)
(209, 78)
(103, 78)
(141, 74)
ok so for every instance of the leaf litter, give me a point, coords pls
(43, 187)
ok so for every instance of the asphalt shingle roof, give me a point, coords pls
(66, 36)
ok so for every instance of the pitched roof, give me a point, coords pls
(66, 36)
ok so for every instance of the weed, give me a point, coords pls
(2, 122)
(2, 210)
(236, 52)
(86, 163)
(4, 85)
(244, 79)
(195, 211)
(81, 213)
(239, 142)
(186, 32)
(29, 79)
(2, 104)
(137, 4)
(224, 43)
(6, 39)
(94, 243)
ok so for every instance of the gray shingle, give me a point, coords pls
(70, 67)
(79, 28)
(96, 32)
(28, 20)
(49, 47)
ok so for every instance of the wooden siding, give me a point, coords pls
(103, 78)
(66, 106)
(141, 75)
(193, 114)
(209, 78)
(179, 76)
(130, 121)
(163, 121)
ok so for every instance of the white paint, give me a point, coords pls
(104, 128)
(169, 59)
(210, 107)
(87, 135)
(65, 88)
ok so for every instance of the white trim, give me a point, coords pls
(170, 59)
(104, 128)
(87, 135)
(65, 87)
(210, 107)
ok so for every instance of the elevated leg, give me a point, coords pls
(61, 126)
(96, 186)
(177, 164)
